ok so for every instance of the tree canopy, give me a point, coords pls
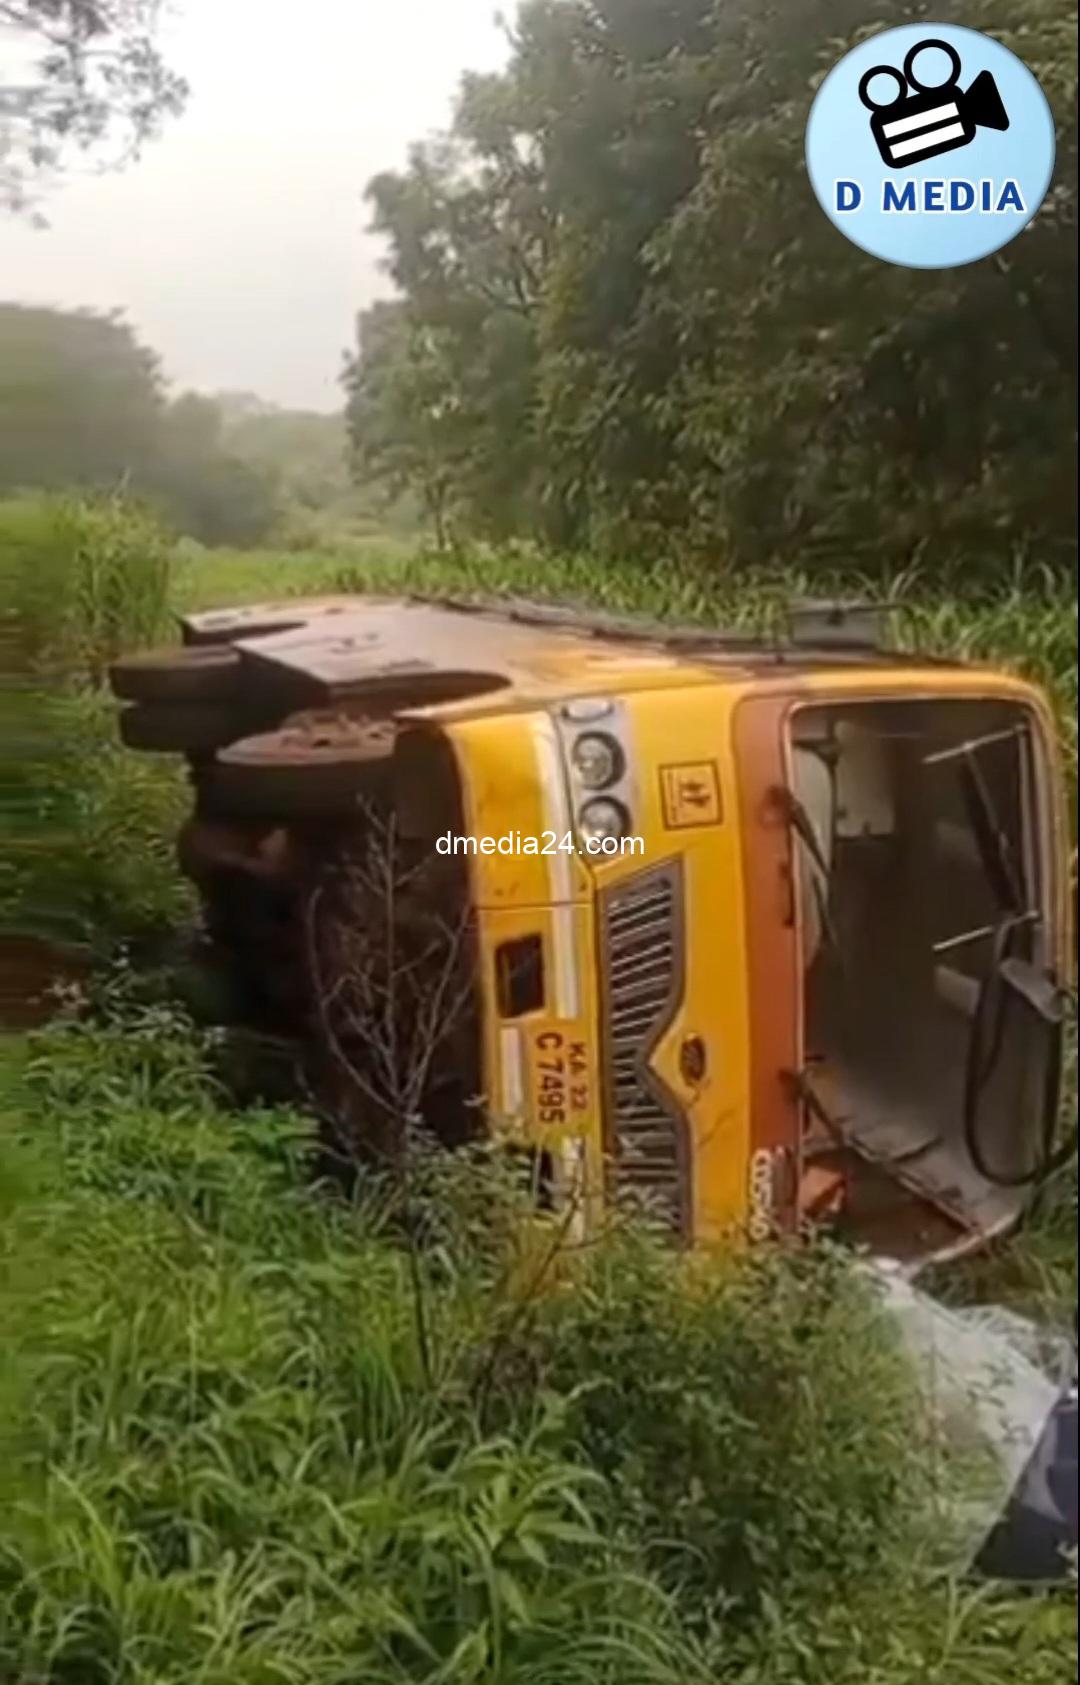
(77, 78)
(84, 403)
(305, 449)
(80, 398)
(624, 323)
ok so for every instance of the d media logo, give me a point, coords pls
(930, 146)
(918, 121)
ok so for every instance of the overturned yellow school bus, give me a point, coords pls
(763, 933)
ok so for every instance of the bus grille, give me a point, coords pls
(642, 948)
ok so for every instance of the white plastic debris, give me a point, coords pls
(990, 1396)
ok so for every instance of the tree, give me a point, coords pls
(828, 406)
(78, 78)
(80, 399)
(615, 94)
(305, 449)
(82, 403)
(466, 228)
(518, 239)
(646, 338)
(207, 489)
(404, 412)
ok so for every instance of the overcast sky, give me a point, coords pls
(237, 246)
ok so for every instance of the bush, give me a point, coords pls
(229, 1458)
(89, 854)
(88, 851)
(231, 1464)
(760, 1430)
(85, 579)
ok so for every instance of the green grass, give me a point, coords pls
(86, 851)
(83, 579)
(219, 578)
(89, 853)
(228, 1458)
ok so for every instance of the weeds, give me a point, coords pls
(85, 578)
(89, 854)
(224, 1461)
(234, 1468)
(88, 851)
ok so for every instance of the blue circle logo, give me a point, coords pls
(930, 146)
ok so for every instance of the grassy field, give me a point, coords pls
(228, 1456)
(252, 1433)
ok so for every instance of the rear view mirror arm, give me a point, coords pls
(990, 837)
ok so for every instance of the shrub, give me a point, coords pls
(85, 578)
(230, 1463)
(760, 1430)
(89, 850)
(227, 1460)
(89, 854)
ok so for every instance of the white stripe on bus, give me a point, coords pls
(559, 816)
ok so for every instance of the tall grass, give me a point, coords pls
(226, 1460)
(87, 852)
(84, 578)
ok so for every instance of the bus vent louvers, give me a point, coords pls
(642, 976)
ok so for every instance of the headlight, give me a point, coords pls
(603, 818)
(598, 760)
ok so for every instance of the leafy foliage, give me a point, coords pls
(83, 405)
(80, 399)
(624, 324)
(89, 853)
(205, 487)
(85, 579)
(405, 416)
(86, 79)
(227, 1461)
(304, 456)
(305, 449)
(87, 848)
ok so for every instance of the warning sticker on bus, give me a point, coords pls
(691, 794)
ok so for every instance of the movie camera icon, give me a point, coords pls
(932, 118)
